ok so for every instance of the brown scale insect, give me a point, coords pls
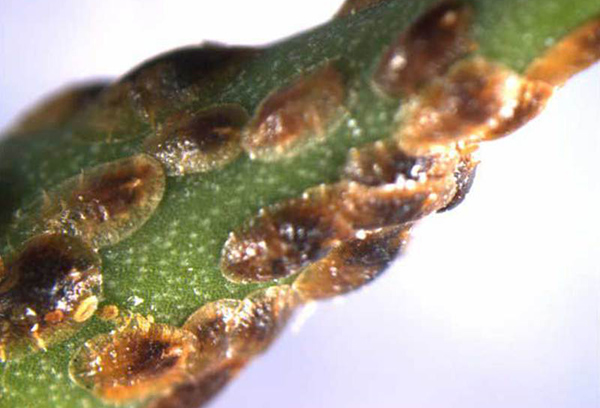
(280, 240)
(230, 333)
(574, 53)
(112, 117)
(426, 50)
(301, 112)
(242, 328)
(176, 78)
(530, 101)
(48, 289)
(352, 264)
(475, 101)
(464, 175)
(195, 393)
(211, 325)
(264, 314)
(384, 162)
(145, 96)
(144, 358)
(134, 362)
(59, 109)
(283, 239)
(392, 204)
(198, 142)
(106, 203)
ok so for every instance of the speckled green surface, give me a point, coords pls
(170, 266)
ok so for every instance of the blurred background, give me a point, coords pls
(495, 304)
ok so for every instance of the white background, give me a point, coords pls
(496, 303)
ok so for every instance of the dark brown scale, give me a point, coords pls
(264, 314)
(241, 328)
(59, 109)
(465, 175)
(473, 93)
(351, 7)
(531, 100)
(352, 264)
(49, 288)
(155, 356)
(198, 142)
(280, 240)
(303, 111)
(375, 250)
(384, 162)
(135, 362)
(196, 392)
(376, 207)
(577, 51)
(426, 50)
(112, 117)
(158, 88)
(116, 191)
(211, 325)
(230, 333)
(106, 203)
(476, 101)
(289, 236)
(180, 75)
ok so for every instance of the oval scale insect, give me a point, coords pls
(47, 291)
